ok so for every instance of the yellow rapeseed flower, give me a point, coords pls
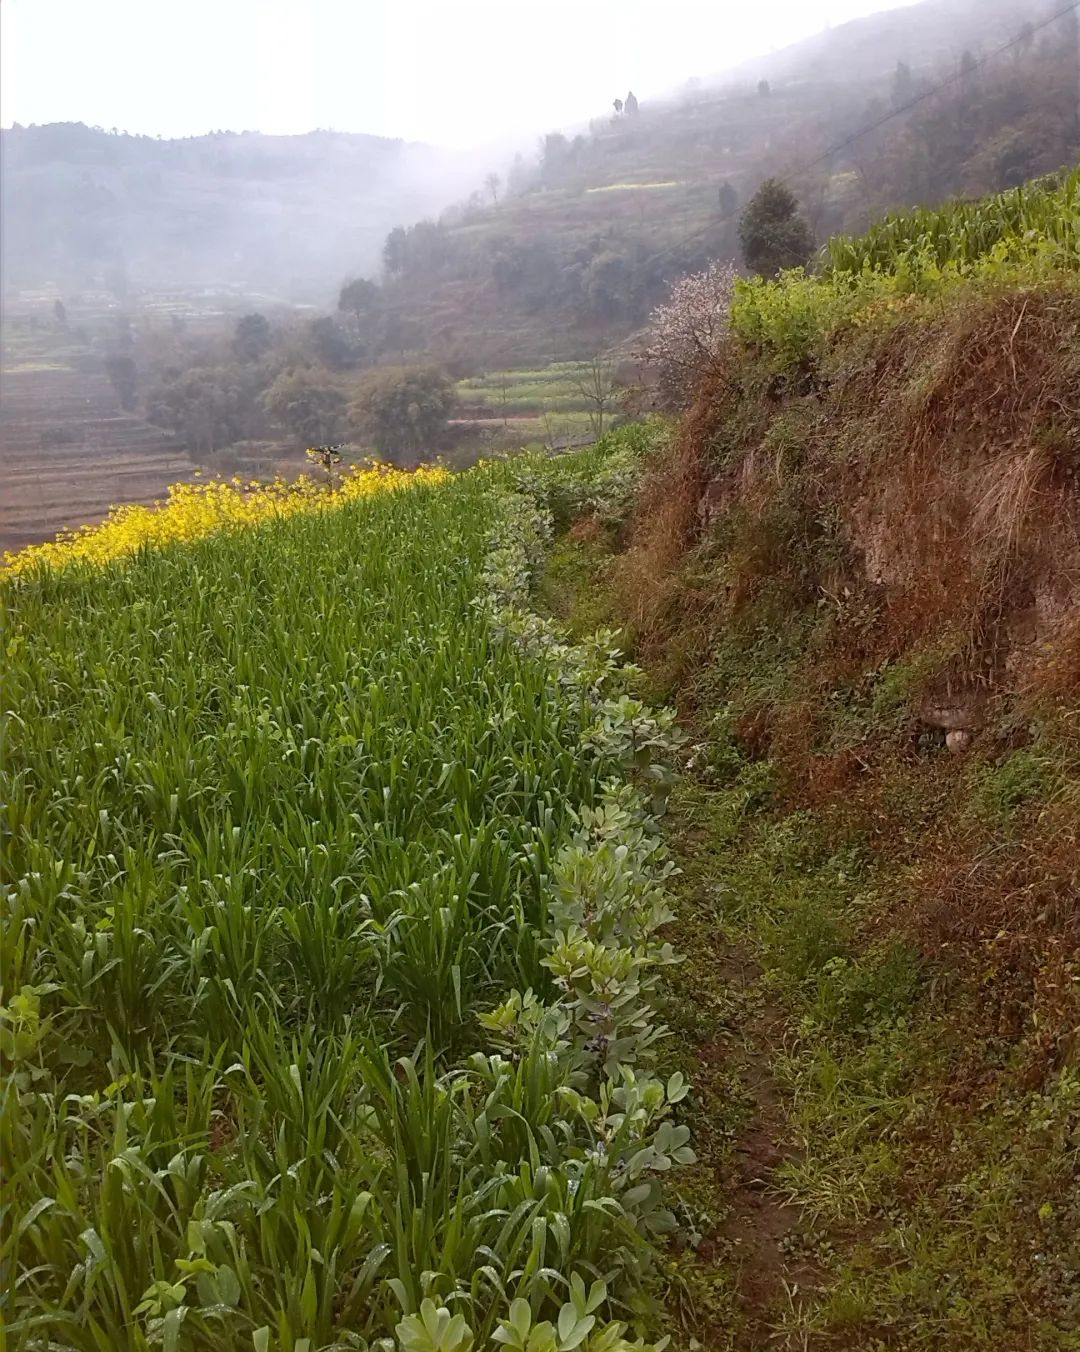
(193, 511)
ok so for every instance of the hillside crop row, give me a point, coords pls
(329, 941)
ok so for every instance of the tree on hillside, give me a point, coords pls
(764, 89)
(60, 313)
(519, 177)
(403, 411)
(554, 152)
(123, 377)
(360, 298)
(608, 284)
(618, 106)
(331, 345)
(307, 406)
(595, 384)
(252, 338)
(686, 333)
(492, 184)
(773, 233)
(399, 333)
(123, 334)
(631, 105)
(728, 200)
(209, 407)
(903, 84)
(394, 250)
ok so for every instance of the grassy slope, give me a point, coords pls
(880, 1002)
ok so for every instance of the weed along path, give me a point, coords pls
(742, 1276)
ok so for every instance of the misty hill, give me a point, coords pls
(923, 35)
(589, 238)
(83, 207)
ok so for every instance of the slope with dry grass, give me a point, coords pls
(857, 570)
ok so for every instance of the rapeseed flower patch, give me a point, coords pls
(193, 511)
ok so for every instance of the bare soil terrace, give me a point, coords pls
(68, 453)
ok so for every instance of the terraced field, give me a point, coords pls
(545, 404)
(67, 453)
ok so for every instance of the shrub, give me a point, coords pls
(772, 232)
(310, 407)
(403, 411)
(907, 263)
(687, 332)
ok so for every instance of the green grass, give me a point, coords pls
(934, 1224)
(287, 813)
(547, 389)
(911, 265)
(967, 232)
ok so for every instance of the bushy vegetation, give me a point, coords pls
(965, 233)
(905, 265)
(402, 410)
(305, 384)
(687, 333)
(332, 921)
(773, 232)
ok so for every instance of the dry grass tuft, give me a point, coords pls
(667, 520)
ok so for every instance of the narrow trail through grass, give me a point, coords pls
(747, 1271)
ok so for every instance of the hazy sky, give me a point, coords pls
(457, 72)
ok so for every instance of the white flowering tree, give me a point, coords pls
(686, 332)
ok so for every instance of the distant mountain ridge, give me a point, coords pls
(289, 217)
(285, 214)
(902, 108)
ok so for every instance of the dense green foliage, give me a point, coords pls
(773, 232)
(311, 410)
(965, 232)
(210, 406)
(909, 262)
(252, 338)
(403, 410)
(303, 825)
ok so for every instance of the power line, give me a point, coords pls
(921, 98)
(944, 84)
